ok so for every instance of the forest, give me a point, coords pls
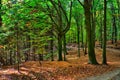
(59, 39)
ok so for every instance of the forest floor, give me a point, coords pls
(73, 69)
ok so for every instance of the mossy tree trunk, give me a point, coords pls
(93, 22)
(89, 30)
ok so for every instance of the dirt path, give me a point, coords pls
(112, 75)
(113, 59)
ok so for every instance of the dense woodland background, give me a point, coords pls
(44, 29)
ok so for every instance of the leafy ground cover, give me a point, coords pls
(73, 69)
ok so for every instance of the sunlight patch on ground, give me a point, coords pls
(9, 71)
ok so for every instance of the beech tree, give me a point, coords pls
(89, 29)
(105, 38)
(61, 22)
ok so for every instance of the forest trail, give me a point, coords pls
(112, 75)
(113, 56)
(73, 69)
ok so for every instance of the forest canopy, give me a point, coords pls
(42, 29)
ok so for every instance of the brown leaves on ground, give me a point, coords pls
(72, 69)
(54, 71)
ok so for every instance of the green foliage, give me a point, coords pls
(31, 18)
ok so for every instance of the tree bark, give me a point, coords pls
(51, 45)
(82, 34)
(114, 27)
(104, 61)
(65, 49)
(78, 39)
(91, 51)
(59, 47)
(101, 35)
(17, 45)
(0, 14)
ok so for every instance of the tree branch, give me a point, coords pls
(65, 14)
(51, 17)
(69, 22)
(81, 3)
(53, 3)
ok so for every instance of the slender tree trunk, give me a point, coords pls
(34, 53)
(78, 39)
(78, 32)
(101, 36)
(82, 34)
(114, 27)
(40, 57)
(118, 3)
(85, 51)
(11, 58)
(29, 47)
(17, 45)
(14, 56)
(115, 32)
(0, 14)
(26, 52)
(65, 49)
(6, 55)
(59, 47)
(104, 61)
(100, 31)
(51, 46)
(112, 37)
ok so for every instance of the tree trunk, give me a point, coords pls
(77, 20)
(65, 49)
(85, 51)
(82, 34)
(104, 61)
(118, 4)
(78, 39)
(115, 32)
(93, 27)
(17, 45)
(28, 46)
(34, 53)
(0, 14)
(40, 57)
(10, 57)
(59, 47)
(51, 46)
(114, 27)
(91, 51)
(101, 36)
